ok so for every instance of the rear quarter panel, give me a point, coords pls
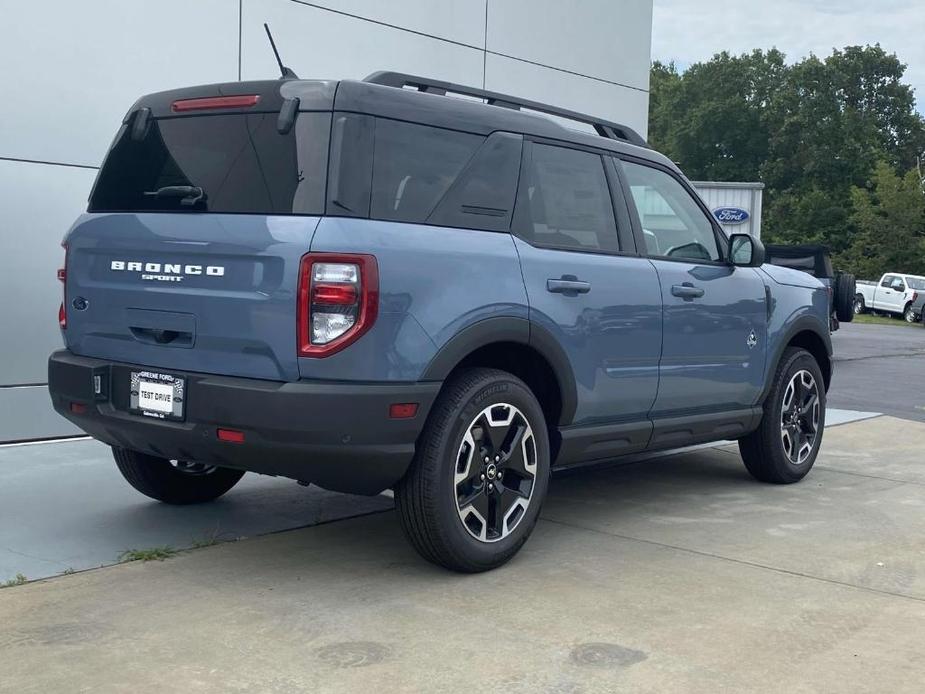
(433, 283)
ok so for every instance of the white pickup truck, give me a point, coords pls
(894, 293)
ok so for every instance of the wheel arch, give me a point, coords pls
(520, 347)
(807, 334)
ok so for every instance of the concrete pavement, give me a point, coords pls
(64, 506)
(74, 511)
(678, 574)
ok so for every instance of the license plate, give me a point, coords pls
(157, 395)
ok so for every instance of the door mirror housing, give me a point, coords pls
(898, 286)
(746, 251)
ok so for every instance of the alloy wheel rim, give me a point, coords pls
(495, 472)
(910, 315)
(799, 418)
(194, 469)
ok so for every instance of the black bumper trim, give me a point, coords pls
(336, 435)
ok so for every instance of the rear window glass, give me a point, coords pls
(414, 166)
(218, 163)
(568, 199)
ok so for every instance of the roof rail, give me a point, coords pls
(604, 128)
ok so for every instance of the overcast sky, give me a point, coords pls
(688, 31)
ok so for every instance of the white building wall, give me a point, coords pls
(70, 70)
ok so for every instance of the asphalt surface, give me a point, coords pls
(880, 368)
(682, 574)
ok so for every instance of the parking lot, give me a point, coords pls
(678, 573)
(880, 368)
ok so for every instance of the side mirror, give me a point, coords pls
(898, 286)
(746, 251)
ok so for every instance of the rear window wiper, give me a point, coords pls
(190, 194)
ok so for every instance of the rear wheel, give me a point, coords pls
(473, 493)
(174, 481)
(784, 447)
(909, 314)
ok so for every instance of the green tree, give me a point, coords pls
(813, 132)
(889, 217)
(712, 118)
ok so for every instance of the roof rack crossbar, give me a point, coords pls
(604, 128)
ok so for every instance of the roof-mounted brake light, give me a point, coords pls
(213, 102)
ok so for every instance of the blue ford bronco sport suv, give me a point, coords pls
(372, 284)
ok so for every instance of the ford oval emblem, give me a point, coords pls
(731, 215)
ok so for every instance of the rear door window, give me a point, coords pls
(565, 201)
(239, 163)
(414, 167)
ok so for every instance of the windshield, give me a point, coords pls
(220, 163)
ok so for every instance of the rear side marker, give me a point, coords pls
(403, 410)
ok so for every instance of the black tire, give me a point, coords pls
(860, 306)
(428, 497)
(174, 482)
(908, 314)
(764, 451)
(845, 292)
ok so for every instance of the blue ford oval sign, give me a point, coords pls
(731, 215)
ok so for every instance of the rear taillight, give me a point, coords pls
(915, 297)
(62, 276)
(338, 301)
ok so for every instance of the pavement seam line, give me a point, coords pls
(900, 355)
(732, 560)
(871, 477)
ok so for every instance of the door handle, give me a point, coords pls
(686, 290)
(568, 285)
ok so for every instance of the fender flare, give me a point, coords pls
(508, 329)
(800, 325)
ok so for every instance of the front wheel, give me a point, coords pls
(784, 447)
(859, 305)
(174, 481)
(473, 492)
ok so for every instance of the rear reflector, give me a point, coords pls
(403, 410)
(211, 102)
(78, 408)
(231, 435)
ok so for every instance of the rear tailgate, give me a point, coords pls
(207, 293)
(188, 259)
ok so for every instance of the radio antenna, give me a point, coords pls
(285, 72)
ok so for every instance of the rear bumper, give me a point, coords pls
(336, 435)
